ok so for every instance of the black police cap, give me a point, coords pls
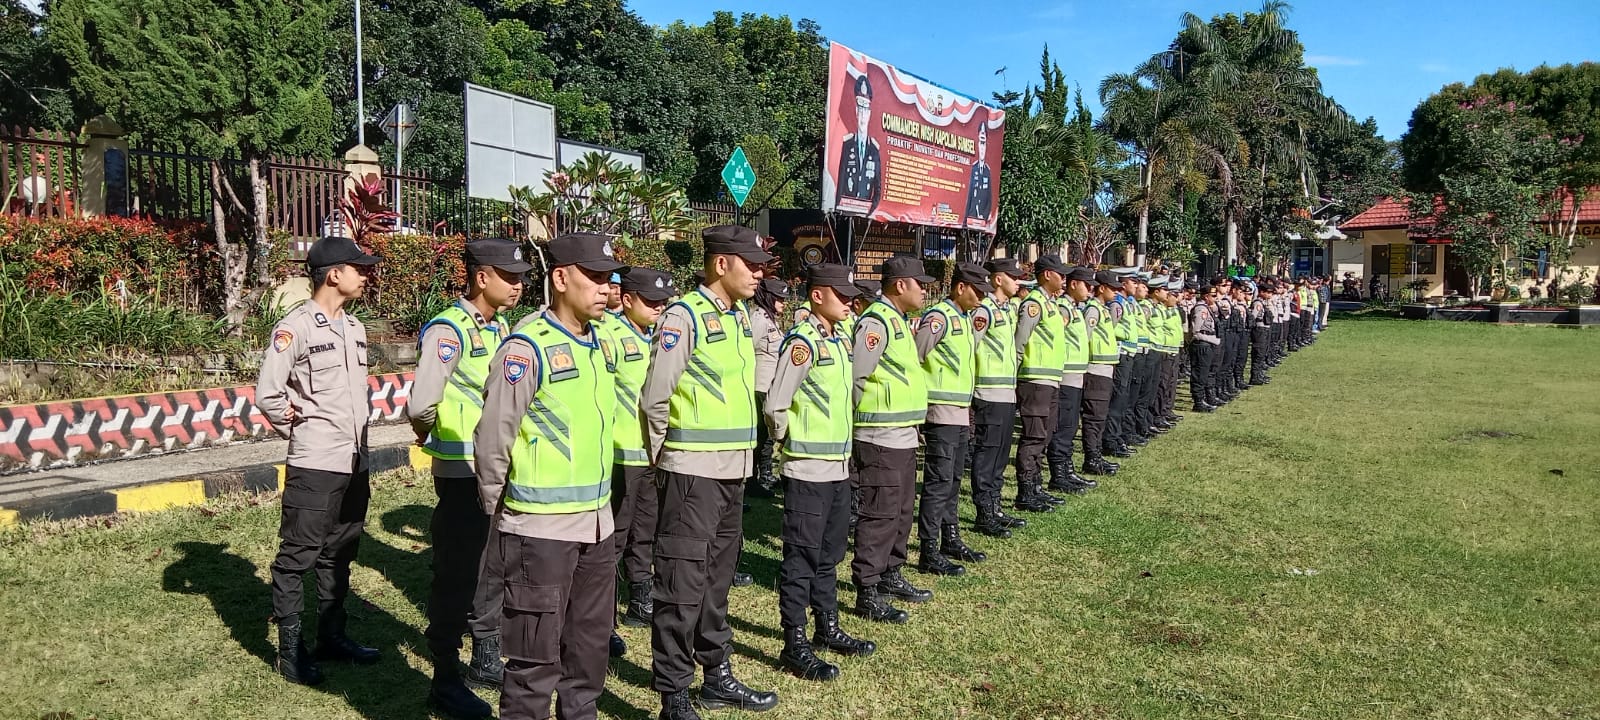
(973, 275)
(905, 267)
(1004, 266)
(1082, 274)
(838, 277)
(1051, 263)
(735, 240)
(863, 86)
(497, 253)
(331, 251)
(648, 283)
(1108, 279)
(590, 251)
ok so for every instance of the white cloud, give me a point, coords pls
(1320, 60)
(1434, 67)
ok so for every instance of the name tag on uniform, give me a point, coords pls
(562, 365)
(894, 324)
(714, 331)
(744, 322)
(610, 355)
(631, 349)
(825, 355)
(314, 349)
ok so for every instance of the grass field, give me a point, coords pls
(1406, 523)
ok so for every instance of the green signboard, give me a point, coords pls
(739, 176)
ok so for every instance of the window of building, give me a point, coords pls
(1425, 259)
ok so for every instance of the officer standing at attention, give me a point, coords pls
(1173, 324)
(628, 332)
(1243, 290)
(700, 419)
(1099, 380)
(1260, 331)
(945, 343)
(891, 403)
(1069, 400)
(1203, 350)
(544, 450)
(1043, 354)
(871, 290)
(765, 309)
(994, 398)
(805, 409)
(313, 390)
(1223, 319)
(1155, 323)
(454, 351)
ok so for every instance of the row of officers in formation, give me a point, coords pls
(622, 425)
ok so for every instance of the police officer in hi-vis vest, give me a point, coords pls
(700, 421)
(994, 397)
(1074, 376)
(807, 408)
(1099, 380)
(454, 350)
(543, 450)
(628, 331)
(891, 403)
(1042, 350)
(945, 343)
(313, 390)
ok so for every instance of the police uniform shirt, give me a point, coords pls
(1092, 317)
(1029, 313)
(979, 193)
(439, 352)
(671, 349)
(507, 396)
(872, 338)
(767, 337)
(860, 169)
(930, 330)
(317, 364)
(1072, 379)
(1204, 322)
(981, 322)
(1258, 313)
(798, 359)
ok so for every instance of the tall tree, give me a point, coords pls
(33, 90)
(224, 77)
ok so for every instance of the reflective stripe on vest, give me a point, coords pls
(461, 406)
(1045, 352)
(895, 394)
(554, 470)
(816, 430)
(996, 356)
(1076, 338)
(630, 350)
(949, 365)
(713, 406)
(1102, 339)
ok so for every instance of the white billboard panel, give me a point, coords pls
(511, 140)
(571, 150)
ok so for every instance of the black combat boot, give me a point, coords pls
(450, 696)
(896, 585)
(950, 543)
(640, 608)
(722, 690)
(743, 579)
(829, 636)
(798, 658)
(875, 606)
(1028, 499)
(677, 706)
(619, 647)
(1010, 521)
(1098, 466)
(1068, 482)
(989, 524)
(333, 644)
(487, 669)
(294, 660)
(933, 562)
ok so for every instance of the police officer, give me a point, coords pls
(1260, 328)
(860, 167)
(699, 408)
(1172, 323)
(1122, 318)
(1203, 350)
(1243, 289)
(891, 403)
(628, 332)
(1043, 353)
(994, 398)
(980, 193)
(454, 351)
(1099, 380)
(1141, 412)
(313, 390)
(544, 451)
(812, 382)
(1069, 399)
(765, 309)
(871, 290)
(945, 345)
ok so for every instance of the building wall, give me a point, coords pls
(1356, 256)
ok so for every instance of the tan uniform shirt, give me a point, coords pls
(863, 361)
(433, 372)
(927, 337)
(767, 337)
(1204, 322)
(667, 366)
(504, 405)
(1025, 326)
(785, 383)
(317, 365)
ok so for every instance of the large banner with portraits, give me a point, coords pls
(902, 149)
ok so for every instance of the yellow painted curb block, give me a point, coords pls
(7, 517)
(420, 460)
(160, 496)
(282, 469)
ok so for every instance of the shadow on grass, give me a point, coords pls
(390, 689)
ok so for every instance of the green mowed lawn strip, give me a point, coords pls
(1377, 533)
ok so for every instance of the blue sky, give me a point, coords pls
(1377, 58)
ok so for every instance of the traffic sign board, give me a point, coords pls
(739, 176)
(399, 125)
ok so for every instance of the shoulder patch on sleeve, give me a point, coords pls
(670, 337)
(1033, 308)
(980, 321)
(282, 339)
(799, 354)
(515, 368)
(874, 340)
(448, 349)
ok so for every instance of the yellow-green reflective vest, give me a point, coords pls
(1127, 331)
(630, 350)
(997, 354)
(561, 462)
(896, 393)
(714, 405)
(949, 365)
(1076, 338)
(1102, 339)
(1045, 352)
(1141, 323)
(819, 417)
(462, 404)
(846, 329)
(1174, 328)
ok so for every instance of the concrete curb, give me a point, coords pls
(188, 491)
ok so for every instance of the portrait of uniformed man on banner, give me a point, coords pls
(980, 196)
(860, 166)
